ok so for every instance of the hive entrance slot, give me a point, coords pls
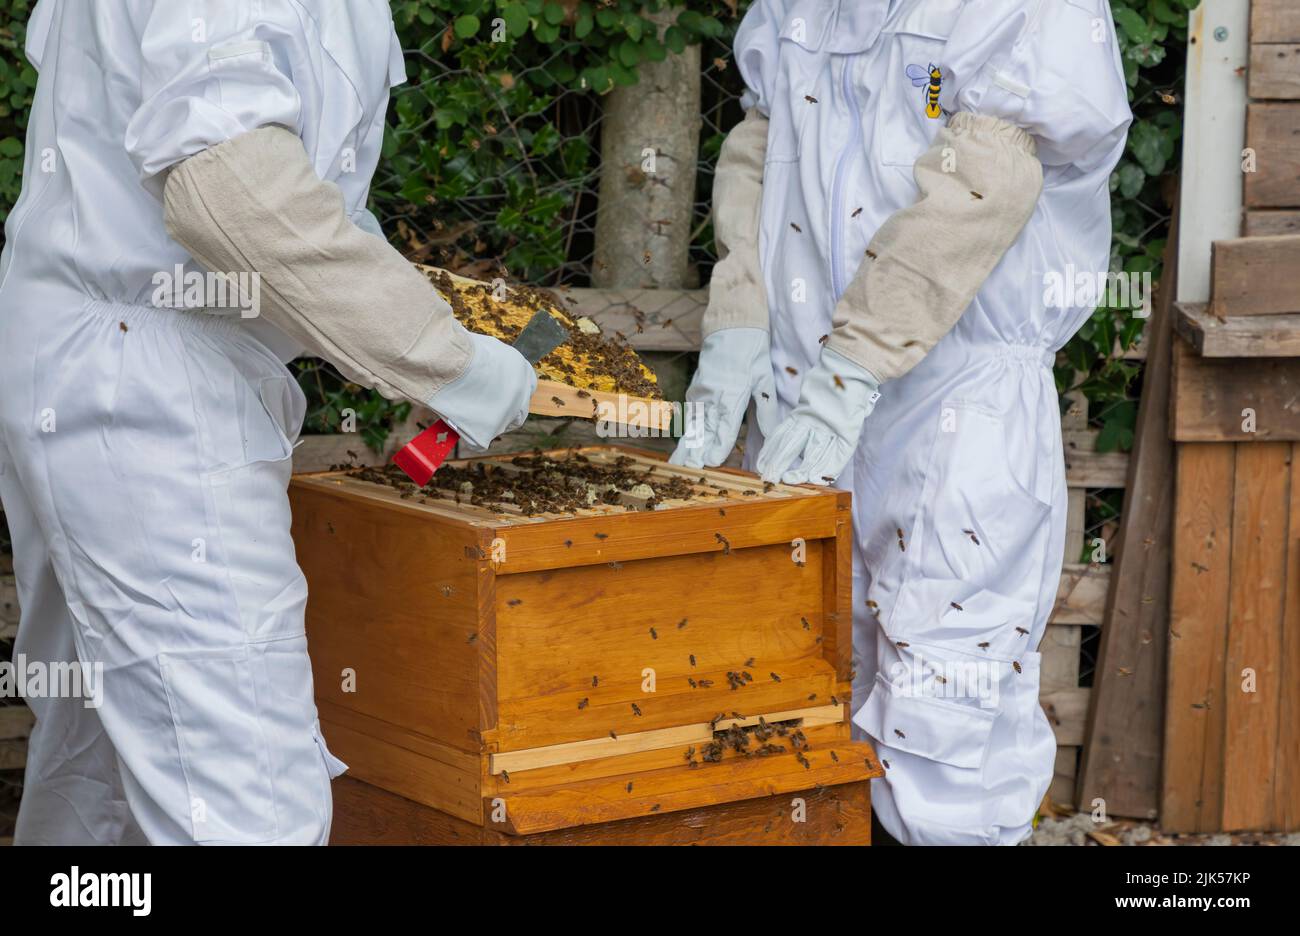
(695, 737)
(753, 740)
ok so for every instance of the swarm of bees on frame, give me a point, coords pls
(761, 740)
(540, 484)
(588, 359)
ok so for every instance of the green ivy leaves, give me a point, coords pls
(17, 84)
(1148, 31)
(464, 27)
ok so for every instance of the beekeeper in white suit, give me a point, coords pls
(922, 166)
(144, 447)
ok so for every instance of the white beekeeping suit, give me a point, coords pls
(145, 443)
(926, 168)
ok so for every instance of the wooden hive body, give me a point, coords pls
(500, 663)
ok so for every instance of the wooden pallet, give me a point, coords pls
(1063, 700)
(1120, 762)
(1232, 731)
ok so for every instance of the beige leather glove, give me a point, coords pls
(979, 184)
(255, 204)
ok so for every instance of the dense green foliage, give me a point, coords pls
(1153, 42)
(492, 146)
(17, 83)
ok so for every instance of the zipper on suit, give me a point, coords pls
(838, 285)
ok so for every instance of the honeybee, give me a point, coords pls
(930, 78)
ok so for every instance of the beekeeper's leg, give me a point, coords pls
(72, 791)
(963, 599)
(161, 487)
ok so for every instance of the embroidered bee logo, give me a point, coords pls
(932, 80)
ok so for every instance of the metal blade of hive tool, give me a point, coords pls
(542, 335)
(424, 454)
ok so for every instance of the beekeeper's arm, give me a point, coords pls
(217, 135)
(1034, 90)
(735, 357)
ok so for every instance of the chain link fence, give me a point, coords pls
(556, 145)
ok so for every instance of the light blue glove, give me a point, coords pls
(823, 429)
(490, 396)
(735, 365)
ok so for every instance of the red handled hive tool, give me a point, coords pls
(424, 454)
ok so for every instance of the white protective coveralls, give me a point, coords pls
(958, 478)
(145, 451)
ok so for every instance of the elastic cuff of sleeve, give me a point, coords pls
(986, 126)
(834, 350)
(741, 305)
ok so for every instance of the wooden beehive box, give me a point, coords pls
(538, 673)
